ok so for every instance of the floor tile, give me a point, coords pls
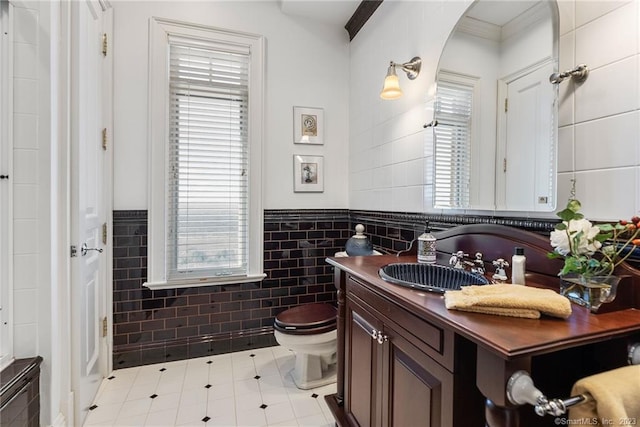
(246, 387)
(131, 421)
(191, 413)
(251, 388)
(162, 418)
(317, 420)
(165, 401)
(103, 414)
(141, 391)
(135, 407)
(304, 406)
(251, 418)
(279, 412)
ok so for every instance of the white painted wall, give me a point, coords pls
(307, 65)
(599, 120)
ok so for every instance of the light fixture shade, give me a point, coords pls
(391, 88)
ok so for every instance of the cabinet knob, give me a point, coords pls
(374, 334)
(382, 338)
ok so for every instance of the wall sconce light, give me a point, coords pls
(391, 88)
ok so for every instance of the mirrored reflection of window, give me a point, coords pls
(453, 143)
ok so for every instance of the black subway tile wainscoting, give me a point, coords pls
(151, 326)
(172, 324)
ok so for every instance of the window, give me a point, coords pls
(206, 127)
(453, 109)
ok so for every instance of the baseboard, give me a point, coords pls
(171, 350)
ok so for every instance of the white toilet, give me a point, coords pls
(310, 332)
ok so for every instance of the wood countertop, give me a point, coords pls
(508, 337)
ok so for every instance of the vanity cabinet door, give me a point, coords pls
(419, 391)
(388, 380)
(363, 359)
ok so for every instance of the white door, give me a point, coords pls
(528, 118)
(88, 207)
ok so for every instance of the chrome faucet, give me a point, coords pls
(478, 264)
(457, 259)
(462, 261)
(500, 265)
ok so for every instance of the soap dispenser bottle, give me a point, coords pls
(427, 246)
(518, 264)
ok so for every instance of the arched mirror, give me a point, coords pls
(496, 111)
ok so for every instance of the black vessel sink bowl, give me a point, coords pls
(430, 277)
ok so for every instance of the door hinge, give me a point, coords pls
(74, 251)
(104, 233)
(504, 164)
(104, 139)
(104, 44)
(506, 104)
(104, 326)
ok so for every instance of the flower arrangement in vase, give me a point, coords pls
(591, 252)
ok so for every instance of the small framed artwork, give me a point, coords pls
(308, 174)
(308, 125)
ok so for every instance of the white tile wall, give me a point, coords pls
(25, 273)
(27, 181)
(599, 120)
(611, 89)
(25, 131)
(565, 149)
(598, 45)
(587, 11)
(610, 142)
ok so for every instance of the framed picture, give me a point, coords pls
(308, 125)
(308, 174)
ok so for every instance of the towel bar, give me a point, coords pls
(521, 390)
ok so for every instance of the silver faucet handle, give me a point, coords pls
(478, 264)
(500, 263)
(500, 273)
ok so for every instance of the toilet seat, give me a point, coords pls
(308, 319)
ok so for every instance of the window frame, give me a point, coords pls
(158, 131)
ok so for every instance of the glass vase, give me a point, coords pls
(589, 291)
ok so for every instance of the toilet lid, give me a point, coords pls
(307, 319)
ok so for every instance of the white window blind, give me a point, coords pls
(208, 187)
(452, 144)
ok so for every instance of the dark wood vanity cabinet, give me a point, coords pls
(400, 369)
(405, 360)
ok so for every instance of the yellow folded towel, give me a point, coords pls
(509, 300)
(615, 397)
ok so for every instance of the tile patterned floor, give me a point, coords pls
(250, 388)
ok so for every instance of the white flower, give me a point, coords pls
(584, 245)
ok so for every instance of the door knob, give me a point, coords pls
(84, 249)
